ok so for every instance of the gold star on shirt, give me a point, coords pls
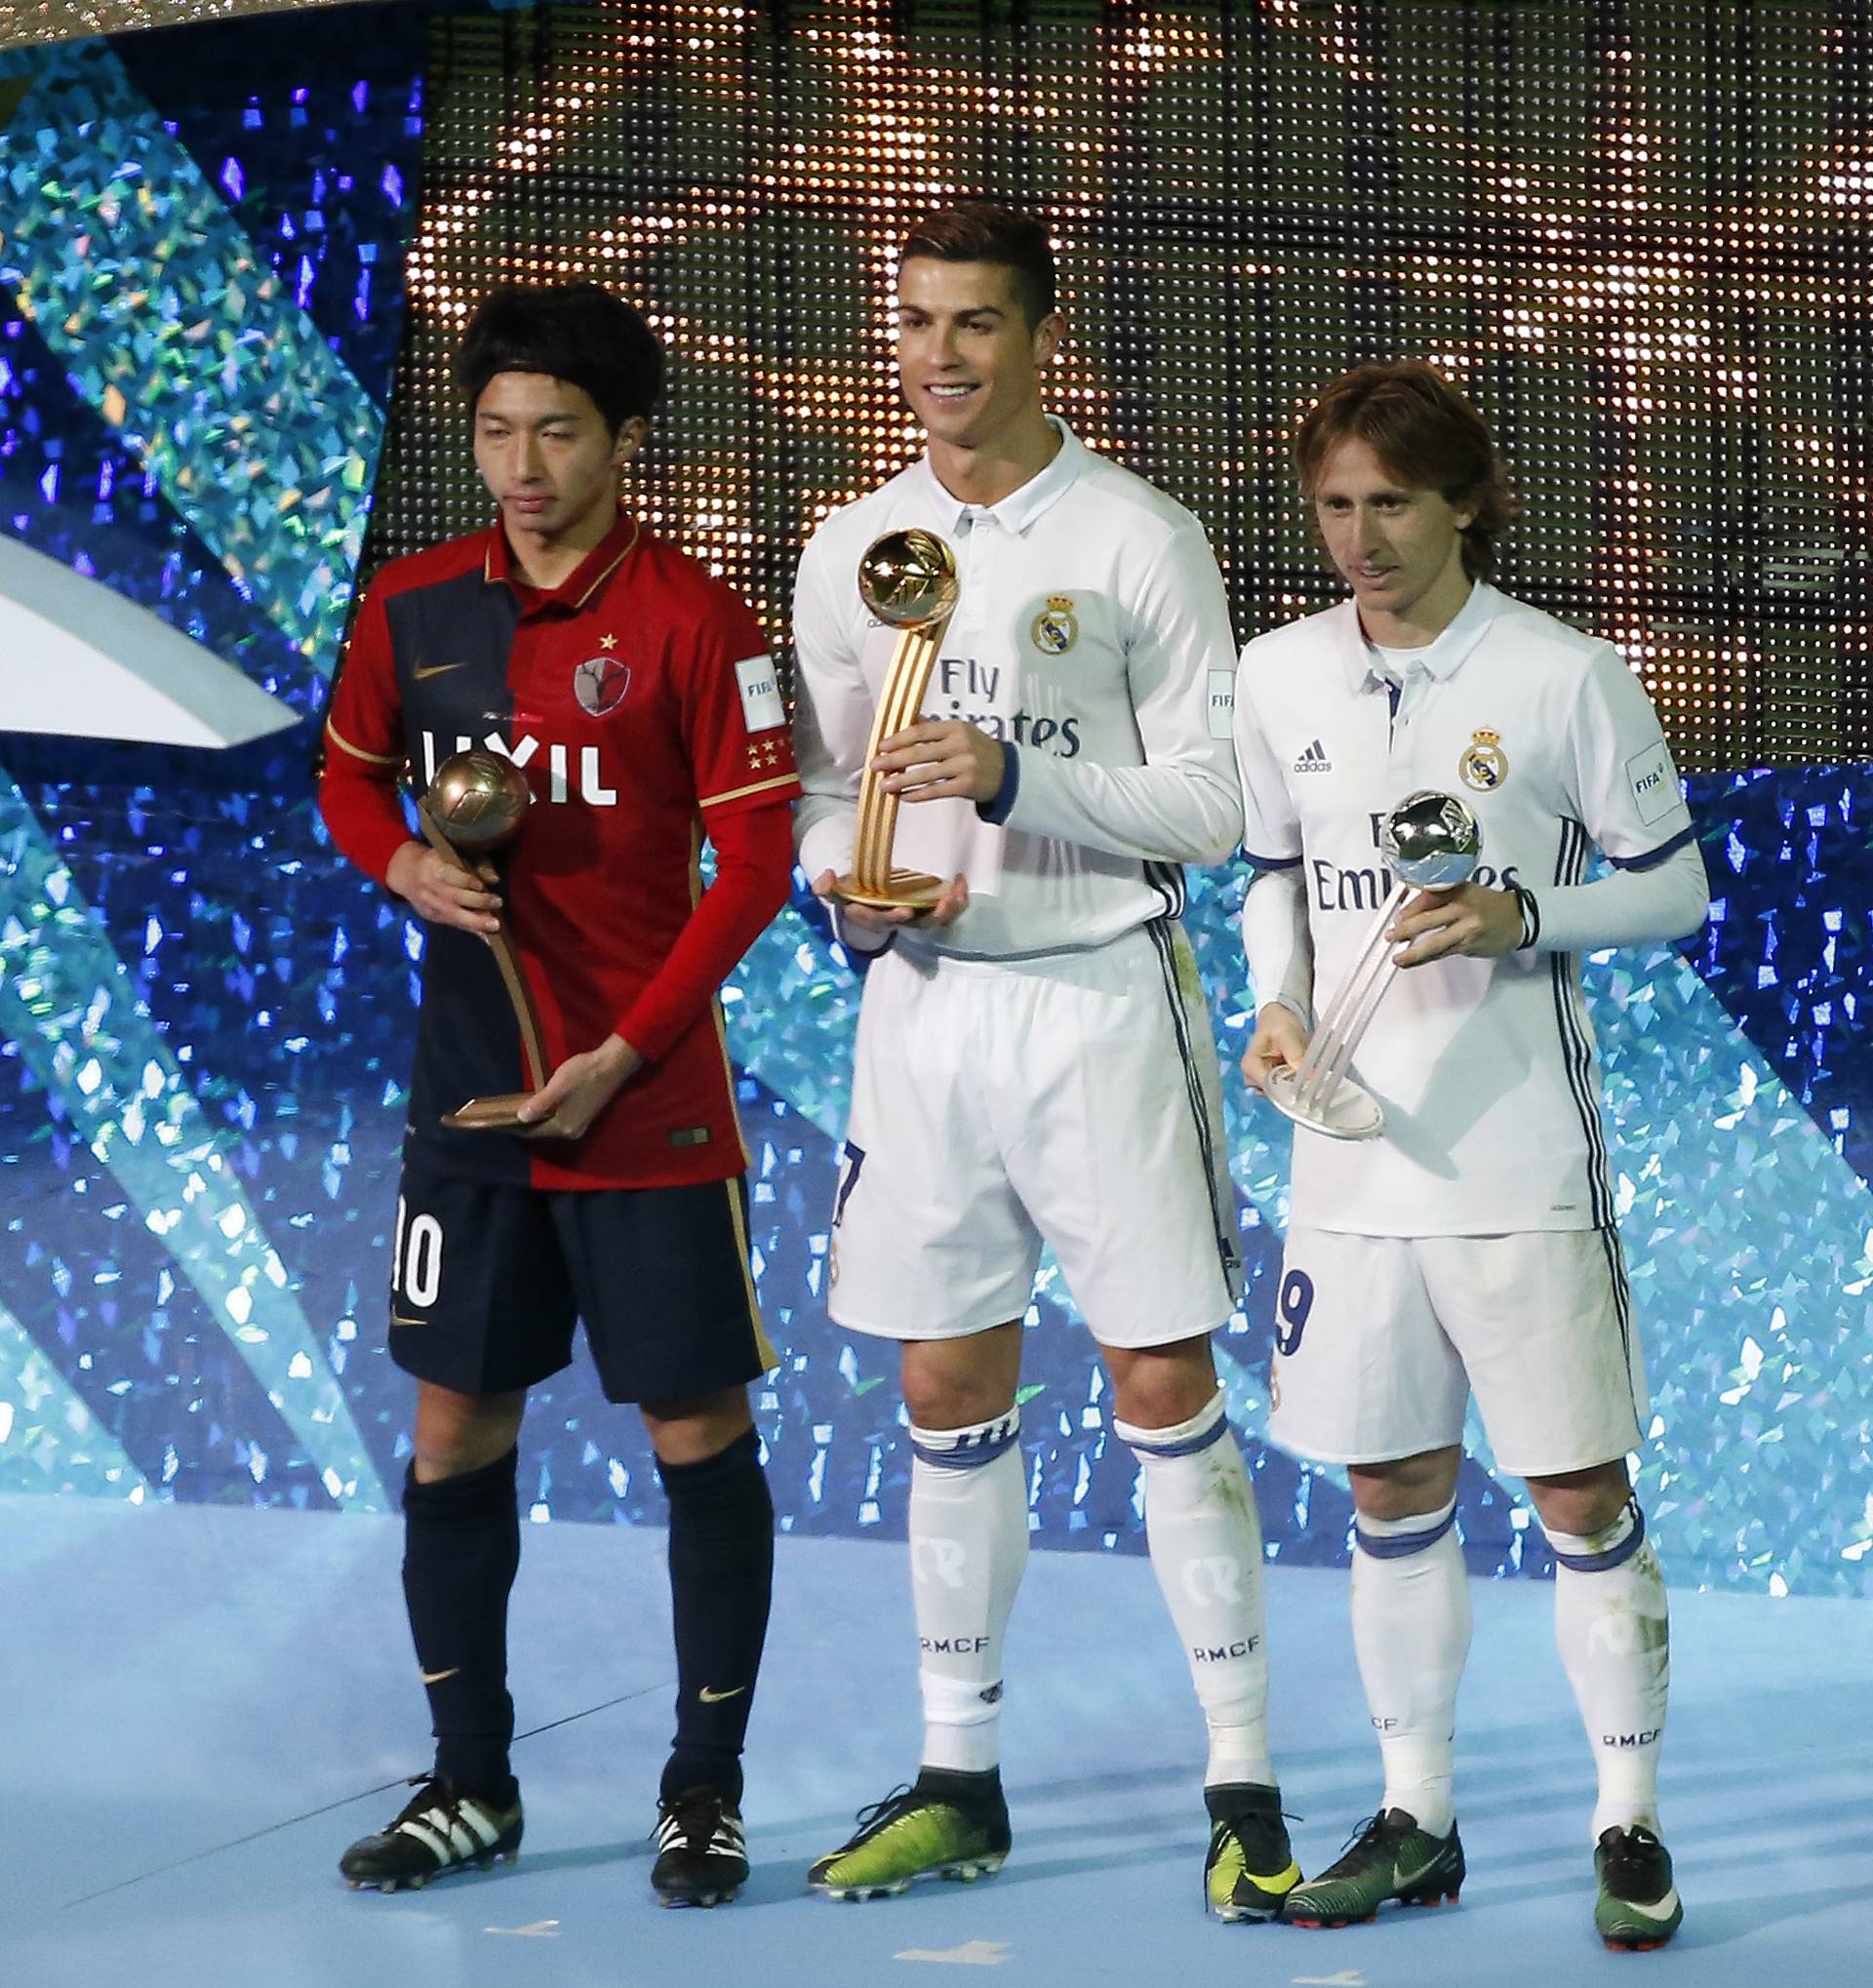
(608, 641)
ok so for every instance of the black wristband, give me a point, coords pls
(1530, 917)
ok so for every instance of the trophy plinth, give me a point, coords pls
(473, 809)
(908, 581)
(1429, 841)
(914, 888)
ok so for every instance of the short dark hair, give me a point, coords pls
(984, 231)
(1426, 434)
(576, 332)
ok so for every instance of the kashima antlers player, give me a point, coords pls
(637, 695)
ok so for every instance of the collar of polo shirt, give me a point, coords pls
(1021, 507)
(578, 589)
(1440, 658)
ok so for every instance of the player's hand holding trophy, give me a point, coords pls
(472, 809)
(1430, 842)
(908, 581)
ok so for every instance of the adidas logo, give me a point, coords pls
(1314, 760)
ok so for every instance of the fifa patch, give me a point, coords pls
(1654, 781)
(600, 683)
(761, 707)
(1054, 629)
(1484, 765)
(1223, 702)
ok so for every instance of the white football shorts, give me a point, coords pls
(1379, 1340)
(996, 1104)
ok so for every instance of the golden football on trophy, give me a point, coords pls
(474, 807)
(478, 800)
(908, 578)
(908, 581)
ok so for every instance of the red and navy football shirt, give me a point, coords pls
(640, 701)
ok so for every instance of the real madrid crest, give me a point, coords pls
(1484, 765)
(599, 683)
(1054, 629)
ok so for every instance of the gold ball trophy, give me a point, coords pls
(473, 809)
(1430, 841)
(908, 581)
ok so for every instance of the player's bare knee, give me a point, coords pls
(692, 1429)
(1158, 1387)
(956, 1383)
(1407, 1487)
(458, 1433)
(1582, 1502)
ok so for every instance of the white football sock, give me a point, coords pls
(1610, 1621)
(1205, 1537)
(1412, 1634)
(967, 1527)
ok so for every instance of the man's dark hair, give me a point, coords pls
(1426, 434)
(575, 332)
(984, 231)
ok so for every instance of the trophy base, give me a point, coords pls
(907, 890)
(491, 1114)
(1346, 1112)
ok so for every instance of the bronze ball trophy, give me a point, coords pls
(473, 809)
(908, 581)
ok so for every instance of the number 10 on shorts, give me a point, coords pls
(416, 1258)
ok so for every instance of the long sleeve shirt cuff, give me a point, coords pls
(1002, 805)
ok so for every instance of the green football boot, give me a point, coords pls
(1391, 1859)
(1638, 1906)
(949, 1825)
(1250, 1868)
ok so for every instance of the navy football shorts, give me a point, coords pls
(488, 1282)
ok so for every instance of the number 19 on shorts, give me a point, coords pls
(416, 1258)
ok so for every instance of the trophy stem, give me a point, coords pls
(1329, 1055)
(899, 704)
(532, 1049)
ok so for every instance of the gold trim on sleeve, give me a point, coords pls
(358, 751)
(741, 793)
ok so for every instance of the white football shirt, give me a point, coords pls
(1487, 1070)
(1092, 632)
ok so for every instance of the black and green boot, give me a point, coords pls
(1250, 1868)
(1638, 1906)
(1391, 1859)
(949, 1825)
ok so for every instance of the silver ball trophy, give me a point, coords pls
(1429, 841)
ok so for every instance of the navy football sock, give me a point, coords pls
(461, 1547)
(721, 1582)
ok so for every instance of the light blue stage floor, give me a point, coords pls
(197, 1698)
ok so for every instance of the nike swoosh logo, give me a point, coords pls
(398, 1319)
(710, 1697)
(436, 1677)
(1663, 1908)
(1404, 1880)
(424, 669)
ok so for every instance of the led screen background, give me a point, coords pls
(1637, 233)
(206, 1017)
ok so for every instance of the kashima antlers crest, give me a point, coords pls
(600, 683)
